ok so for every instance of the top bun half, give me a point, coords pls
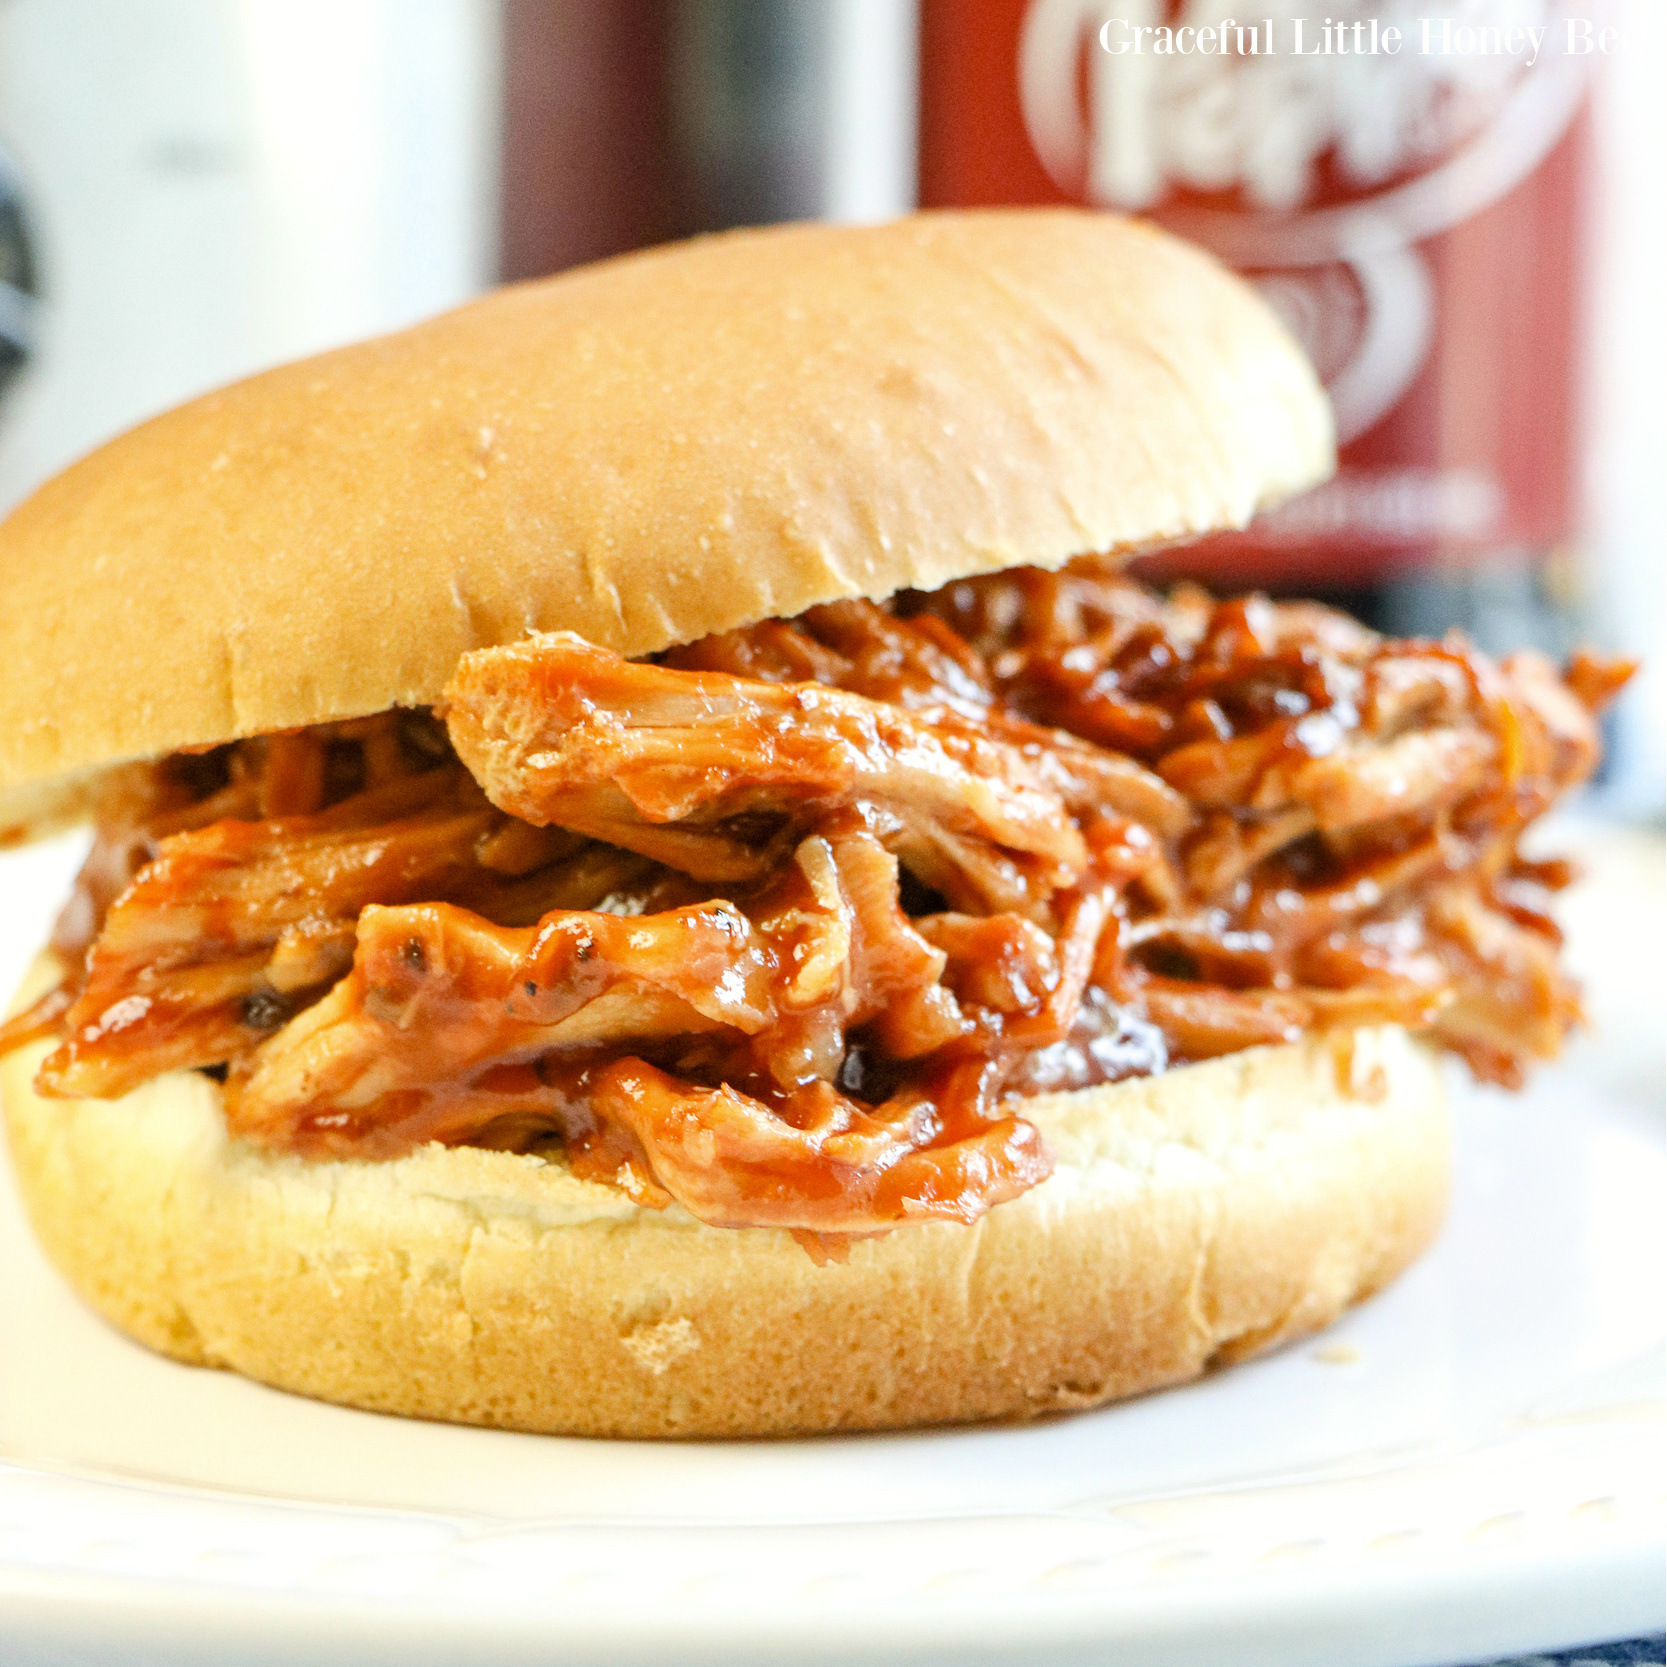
(643, 451)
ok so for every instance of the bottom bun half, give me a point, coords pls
(1192, 1219)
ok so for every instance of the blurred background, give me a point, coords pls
(1470, 246)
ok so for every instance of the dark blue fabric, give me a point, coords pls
(1634, 1652)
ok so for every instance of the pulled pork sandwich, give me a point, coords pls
(652, 877)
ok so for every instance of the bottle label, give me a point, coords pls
(1401, 179)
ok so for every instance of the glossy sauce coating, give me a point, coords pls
(780, 926)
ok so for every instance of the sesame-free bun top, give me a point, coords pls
(643, 451)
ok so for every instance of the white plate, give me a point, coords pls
(1468, 1465)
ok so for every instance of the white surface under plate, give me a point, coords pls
(1469, 1464)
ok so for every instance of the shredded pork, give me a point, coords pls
(783, 926)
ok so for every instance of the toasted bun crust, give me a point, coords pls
(1193, 1218)
(668, 444)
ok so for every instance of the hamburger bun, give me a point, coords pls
(644, 451)
(666, 445)
(1192, 1219)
